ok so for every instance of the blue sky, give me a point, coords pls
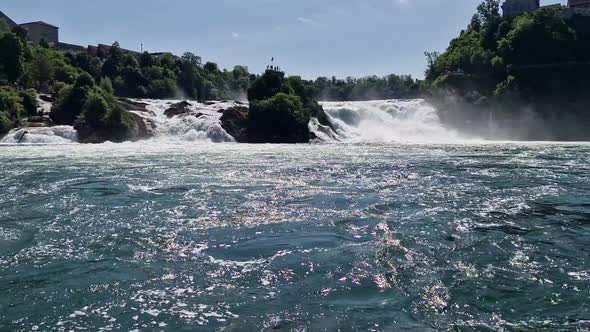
(307, 37)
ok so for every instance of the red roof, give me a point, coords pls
(41, 23)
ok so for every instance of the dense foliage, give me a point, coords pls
(366, 88)
(533, 68)
(281, 108)
(531, 54)
(15, 105)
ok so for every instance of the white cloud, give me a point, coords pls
(235, 35)
(305, 20)
(404, 3)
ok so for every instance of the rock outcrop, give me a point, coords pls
(235, 122)
(135, 106)
(180, 108)
(133, 128)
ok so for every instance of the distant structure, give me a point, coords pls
(272, 66)
(578, 7)
(581, 4)
(11, 24)
(512, 8)
(41, 31)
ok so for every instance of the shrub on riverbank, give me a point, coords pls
(15, 105)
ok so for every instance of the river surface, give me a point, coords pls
(323, 237)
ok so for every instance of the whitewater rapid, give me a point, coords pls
(355, 121)
(202, 122)
(388, 121)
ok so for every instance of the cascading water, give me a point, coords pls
(386, 121)
(200, 122)
(358, 121)
(41, 135)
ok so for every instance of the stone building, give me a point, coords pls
(39, 31)
(512, 8)
(11, 24)
(579, 4)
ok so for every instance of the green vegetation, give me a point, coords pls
(494, 53)
(15, 105)
(538, 61)
(281, 108)
(277, 113)
(366, 88)
(495, 63)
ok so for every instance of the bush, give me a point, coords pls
(11, 109)
(29, 102)
(5, 124)
(268, 85)
(95, 109)
(280, 119)
(71, 101)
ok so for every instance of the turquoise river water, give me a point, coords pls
(321, 237)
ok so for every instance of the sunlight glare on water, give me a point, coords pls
(146, 236)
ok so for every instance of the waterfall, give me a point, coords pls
(201, 122)
(41, 135)
(355, 121)
(385, 121)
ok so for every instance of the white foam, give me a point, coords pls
(41, 135)
(388, 121)
(202, 122)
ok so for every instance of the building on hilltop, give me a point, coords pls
(512, 8)
(579, 4)
(41, 31)
(576, 7)
(11, 24)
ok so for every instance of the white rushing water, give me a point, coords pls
(202, 122)
(41, 135)
(358, 121)
(388, 121)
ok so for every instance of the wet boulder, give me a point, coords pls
(130, 105)
(180, 108)
(234, 121)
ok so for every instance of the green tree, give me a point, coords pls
(211, 67)
(489, 11)
(146, 60)
(114, 62)
(280, 119)
(11, 57)
(95, 110)
(192, 59)
(72, 100)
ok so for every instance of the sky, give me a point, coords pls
(310, 38)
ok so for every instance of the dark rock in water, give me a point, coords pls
(317, 111)
(235, 122)
(36, 121)
(182, 107)
(133, 128)
(131, 105)
(141, 129)
(47, 98)
(209, 103)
